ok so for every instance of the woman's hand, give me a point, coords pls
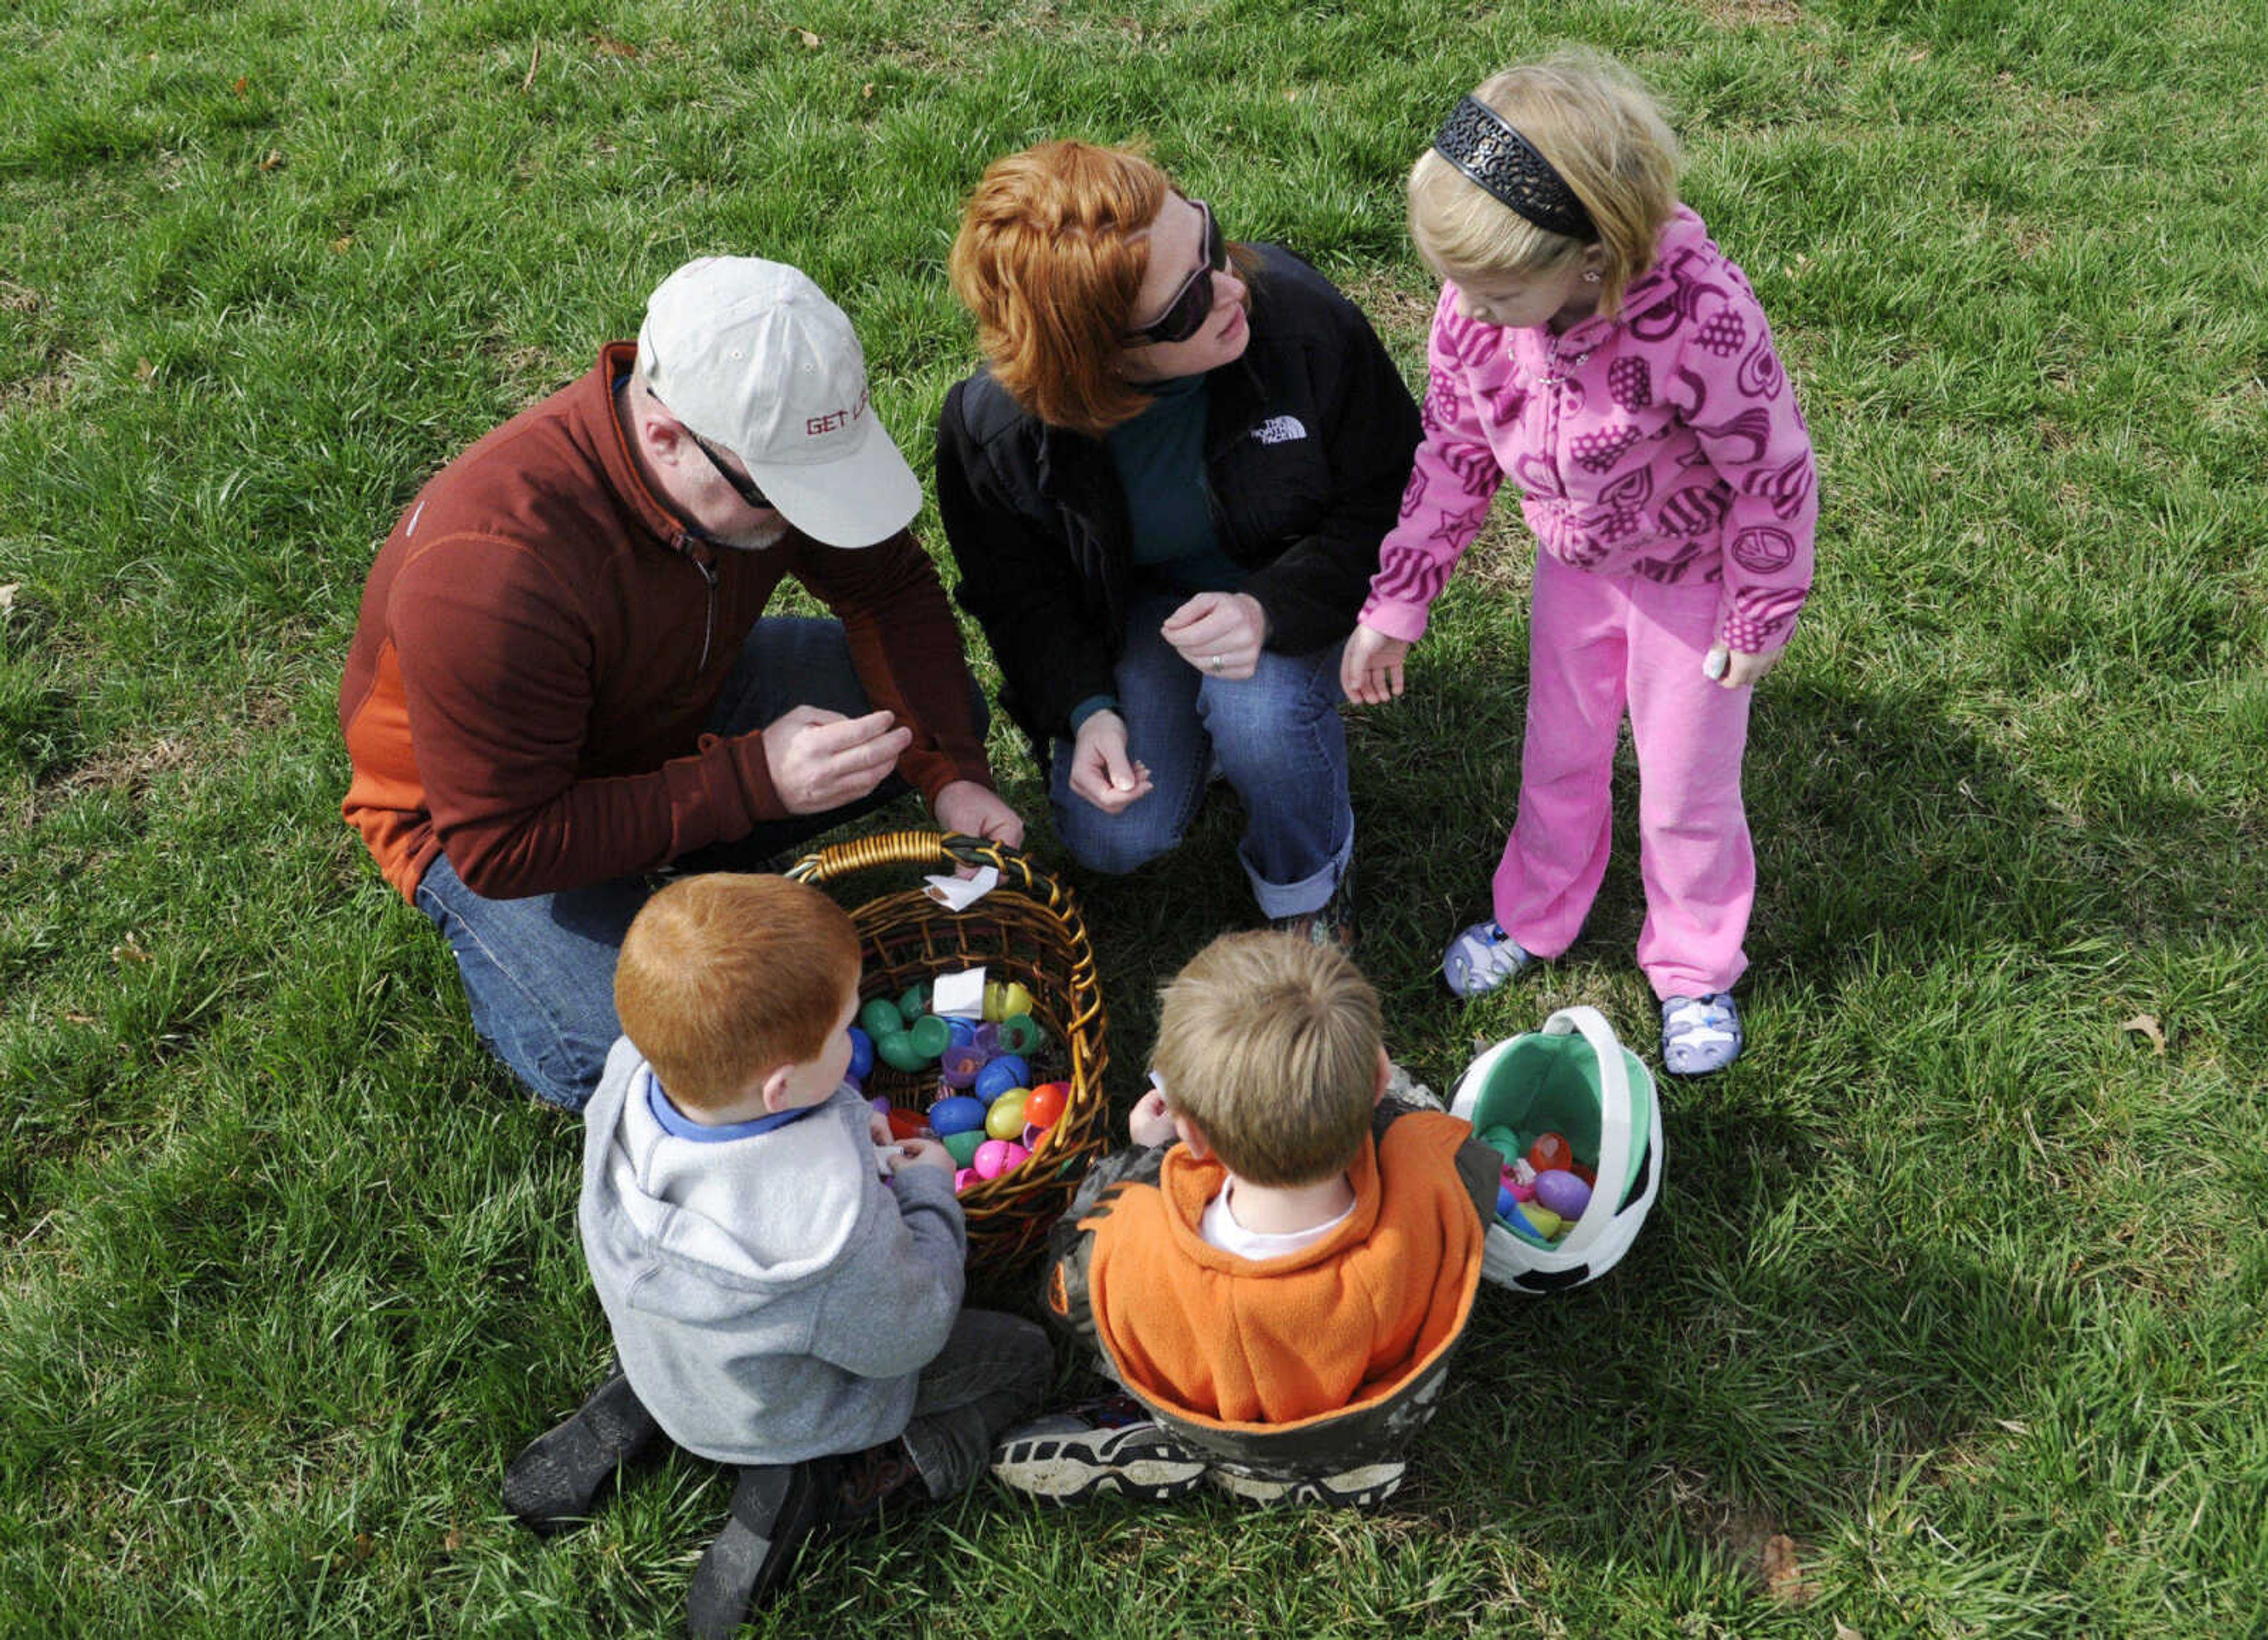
(1370, 667)
(1220, 634)
(1733, 669)
(1101, 772)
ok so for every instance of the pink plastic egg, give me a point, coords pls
(991, 1158)
(962, 1178)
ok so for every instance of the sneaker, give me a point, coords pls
(1096, 1449)
(1481, 959)
(1700, 1033)
(1349, 1488)
(1330, 923)
(776, 1509)
(561, 1475)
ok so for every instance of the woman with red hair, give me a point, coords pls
(1166, 491)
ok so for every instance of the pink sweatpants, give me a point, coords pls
(1598, 645)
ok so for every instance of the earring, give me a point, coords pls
(1590, 276)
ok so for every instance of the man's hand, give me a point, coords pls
(977, 811)
(1370, 667)
(1734, 670)
(1150, 1122)
(1218, 633)
(821, 759)
(1100, 769)
(924, 1153)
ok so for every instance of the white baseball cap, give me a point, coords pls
(751, 356)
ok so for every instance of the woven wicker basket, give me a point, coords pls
(1028, 929)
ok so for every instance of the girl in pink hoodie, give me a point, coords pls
(1595, 345)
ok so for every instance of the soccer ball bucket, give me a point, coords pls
(1573, 1078)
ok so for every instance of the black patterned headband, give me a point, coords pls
(1479, 142)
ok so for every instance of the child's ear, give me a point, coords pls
(1192, 1136)
(1385, 1076)
(776, 1089)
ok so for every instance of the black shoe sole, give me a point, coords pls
(775, 1508)
(561, 1475)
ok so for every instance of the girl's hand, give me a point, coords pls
(1220, 634)
(1734, 670)
(1150, 1122)
(1370, 667)
(1101, 772)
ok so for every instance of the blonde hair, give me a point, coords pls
(725, 977)
(1606, 137)
(1269, 1044)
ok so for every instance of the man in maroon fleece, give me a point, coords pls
(563, 678)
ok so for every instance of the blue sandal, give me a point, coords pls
(1699, 1035)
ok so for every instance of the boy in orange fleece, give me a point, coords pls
(1280, 1293)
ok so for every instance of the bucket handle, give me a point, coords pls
(1614, 1136)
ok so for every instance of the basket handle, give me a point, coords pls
(935, 849)
(1614, 1122)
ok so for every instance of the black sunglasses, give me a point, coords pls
(1192, 305)
(743, 486)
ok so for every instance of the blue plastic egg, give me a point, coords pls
(958, 1115)
(1007, 1072)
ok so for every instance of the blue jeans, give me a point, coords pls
(1274, 736)
(539, 972)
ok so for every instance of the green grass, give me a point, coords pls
(1957, 1279)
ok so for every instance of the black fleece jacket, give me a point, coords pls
(1310, 440)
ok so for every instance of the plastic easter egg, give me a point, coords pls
(1562, 1192)
(1501, 1139)
(1031, 1135)
(881, 1105)
(881, 1017)
(992, 1160)
(960, 1063)
(899, 1053)
(1005, 1072)
(963, 1179)
(1549, 1150)
(913, 1002)
(1505, 1203)
(1047, 1103)
(1541, 1219)
(988, 1040)
(1021, 1034)
(906, 1124)
(1589, 1175)
(931, 1035)
(1523, 1189)
(964, 1031)
(1017, 1157)
(1014, 999)
(991, 1010)
(1005, 1118)
(962, 1146)
(862, 1053)
(958, 1115)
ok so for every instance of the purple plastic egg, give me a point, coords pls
(961, 1063)
(1562, 1192)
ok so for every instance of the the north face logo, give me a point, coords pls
(1279, 430)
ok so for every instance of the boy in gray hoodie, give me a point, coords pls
(783, 1281)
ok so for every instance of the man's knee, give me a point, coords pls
(1114, 844)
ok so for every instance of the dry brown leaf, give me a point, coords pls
(2146, 1025)
(810, 39)
(534, 57)
(8, 591)
(129, 952)
(1844, 1631)
(342, 245)
(272, 159)
(867, 90)
(79, 1019)
(614, 47)
(453, 1541)
(243, 84)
